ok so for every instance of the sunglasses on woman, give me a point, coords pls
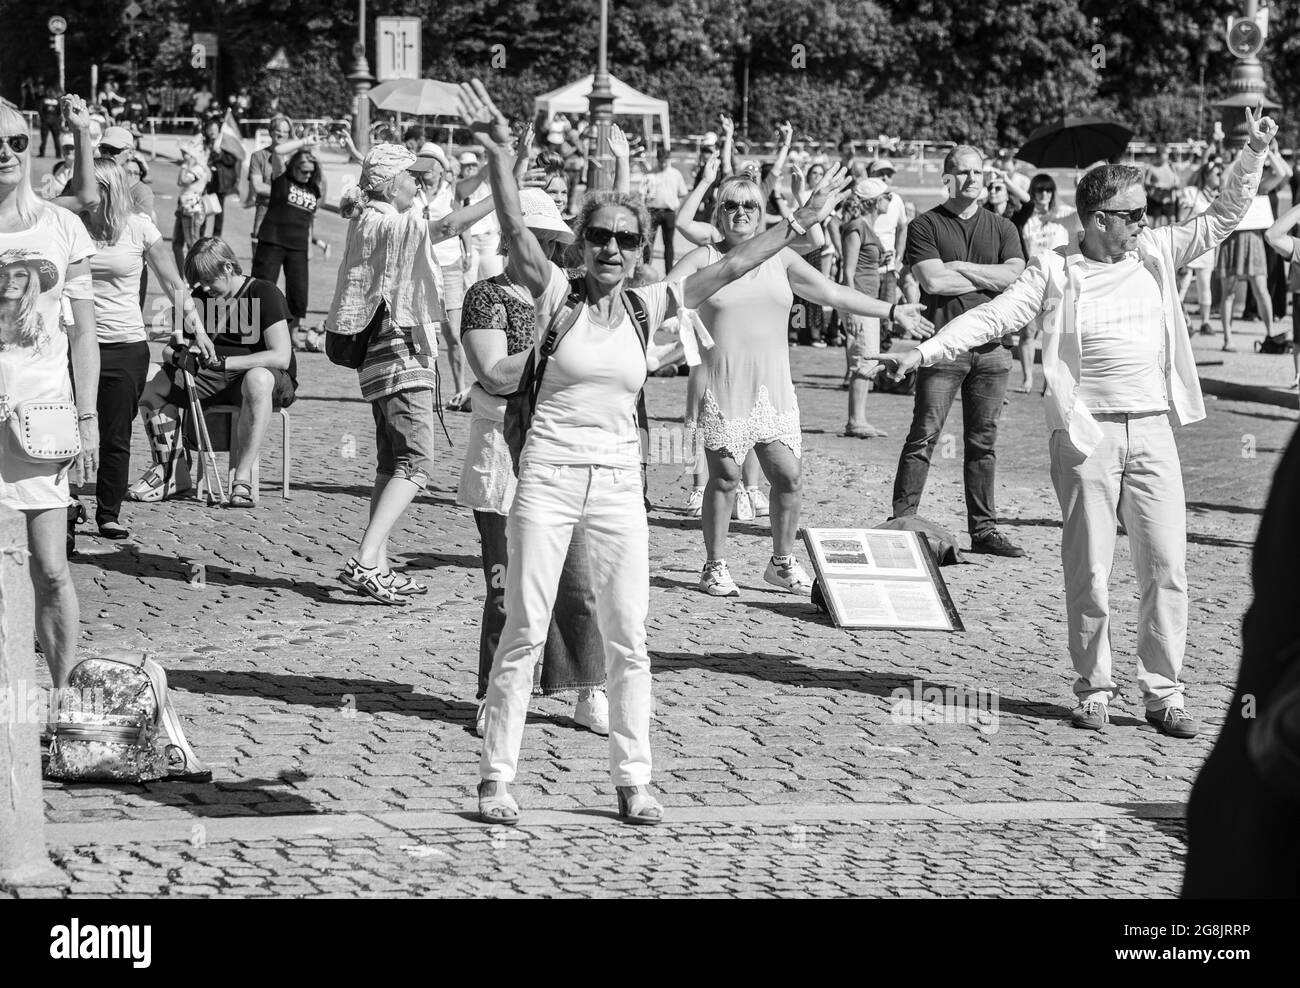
(732, 206)
(599, 236)
(17, 142)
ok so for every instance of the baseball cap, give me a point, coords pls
(431, 150)
(539, 213)
(870, 188)
(469, 158)
(881, 165)
(118, 138)
(710, 140)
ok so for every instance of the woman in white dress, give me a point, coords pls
(1197, 199)
(742, 394)
(44, 255)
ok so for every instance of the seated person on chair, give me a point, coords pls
(245, 359)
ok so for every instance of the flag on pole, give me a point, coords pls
(230, 139)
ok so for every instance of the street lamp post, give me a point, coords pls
(1247, 88)
(600, 172)
(361, 80)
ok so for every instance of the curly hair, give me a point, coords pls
(592, 203)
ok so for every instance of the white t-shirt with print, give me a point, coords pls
(446, 251)
(35, 260)
(586, 408)
(116, 269)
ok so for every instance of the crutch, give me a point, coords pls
(209, 457)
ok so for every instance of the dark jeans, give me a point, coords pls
(981, 377)
(122, 369)
(574, 657)
(51, 128)
(667, 220)
(267, 261)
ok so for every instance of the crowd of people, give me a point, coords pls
(552, 316)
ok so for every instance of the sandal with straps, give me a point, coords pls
(636, 805)
(238, 500)
(497, 806)
(370, 581)
(403, 584)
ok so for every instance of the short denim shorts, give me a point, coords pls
(404, 434)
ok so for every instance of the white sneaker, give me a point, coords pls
(717, 582)
(743, 508)
(592, 711)
(758, 498)
(790, 577)
(695, 502)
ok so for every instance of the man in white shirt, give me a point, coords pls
(891, 229)
(663, 191)
(1119, 368)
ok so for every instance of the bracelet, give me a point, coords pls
(799, 231)
(87, 415)
(891, 311)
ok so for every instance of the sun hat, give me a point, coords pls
(539, 213)
(431, 150)
(384, 162)
(46, 271)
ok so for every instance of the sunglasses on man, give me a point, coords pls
(599, 236)
(1127, 215)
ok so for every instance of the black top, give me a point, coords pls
(238, 325)
(225, 172)
(983, 238)
(289, 214)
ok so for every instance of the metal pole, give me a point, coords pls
(600, 169)
(361, 81)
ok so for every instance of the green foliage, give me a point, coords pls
(945, 69)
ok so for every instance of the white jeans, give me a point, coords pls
(549, 501)
(1134, 473)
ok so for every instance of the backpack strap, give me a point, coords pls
(635, 306)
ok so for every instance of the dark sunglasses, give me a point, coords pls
(732, 206)
(17, 143)
(599, 236)
(1041, 189)
(1128, 215)
(109, 151)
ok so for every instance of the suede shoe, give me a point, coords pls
(1174, 721)
(1090, 716)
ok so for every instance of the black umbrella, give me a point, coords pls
(1074, 142)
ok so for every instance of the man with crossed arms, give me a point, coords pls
(1119, 367)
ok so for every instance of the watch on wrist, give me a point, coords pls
(798, 228)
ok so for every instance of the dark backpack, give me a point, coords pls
(522, 405)
(1277, 343)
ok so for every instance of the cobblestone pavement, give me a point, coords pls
(318, 706)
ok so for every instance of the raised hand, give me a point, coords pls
(826, 195)
(481, 117)
(75, 112)
(618, 145)
(525, 144)
(710, 171)
(1262, 130)
(727, 125)
(784, 134)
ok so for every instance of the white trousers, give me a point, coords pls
(1134, 474)
(549, 501)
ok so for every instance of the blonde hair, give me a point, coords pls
(115, 202)
(29, 204)
(730, 184)
(31, 326)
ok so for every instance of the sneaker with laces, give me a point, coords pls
(994, 543)
(742, 509)
(1174, 721)
(758, 498)
(695, 502)
(788, 575)
(716, 581)
(592, 711)
(1090, 716)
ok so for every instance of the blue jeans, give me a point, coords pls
(981, 376)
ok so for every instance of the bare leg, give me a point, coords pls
(1263, 301)
(455, 353)
(58, 615)
(785, 474)
(719, 495)
(1229, 303)
(253, 420)
(385, 511)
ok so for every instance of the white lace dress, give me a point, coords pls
(742, 394)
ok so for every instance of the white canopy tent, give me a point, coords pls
(627, 102)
